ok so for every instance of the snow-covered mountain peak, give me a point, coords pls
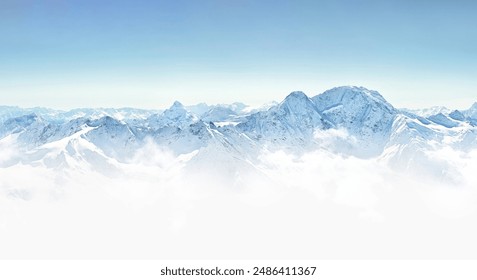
(352, 100)
(106, 121)
(176, 116)
(177, 104)
(177, 109)
(457, 115)
(296, 95)
(350, 94)
(291, 122)
(297, 102)
(472, 111)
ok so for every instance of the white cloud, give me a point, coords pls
(330, 205)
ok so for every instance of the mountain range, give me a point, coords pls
(345, 121)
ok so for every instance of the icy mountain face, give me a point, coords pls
(365, 114)
(457, 115)
(19, 124)
(29, 129)
(471, 112)
(356, 108)
(175, 116)
(443, 120)
(113, 137)
(350, 121)
(291, 123)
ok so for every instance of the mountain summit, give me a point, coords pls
(293, 120)
(175, 116)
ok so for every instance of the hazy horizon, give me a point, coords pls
(251, 105)
(143, 54)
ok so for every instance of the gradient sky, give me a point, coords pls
(147, 54)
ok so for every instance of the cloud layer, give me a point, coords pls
(314, 205)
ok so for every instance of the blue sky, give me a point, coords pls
(147, 54)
